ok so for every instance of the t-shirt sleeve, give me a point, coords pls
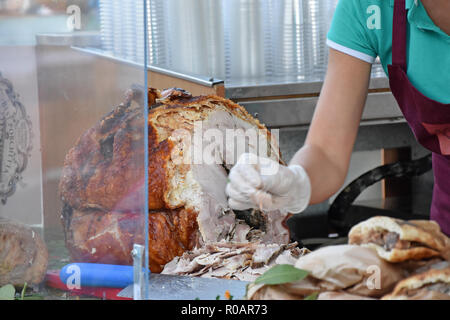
(349, 32)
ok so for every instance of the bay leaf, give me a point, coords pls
(282, 273)
(7, 292)
(312, 296)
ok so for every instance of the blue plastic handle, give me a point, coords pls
(97, 275)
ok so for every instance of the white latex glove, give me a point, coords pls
(264, 184)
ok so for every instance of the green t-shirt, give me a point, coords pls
(363, 29)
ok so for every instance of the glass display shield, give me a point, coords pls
(73, 139)
(106, 107)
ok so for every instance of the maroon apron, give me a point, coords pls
(429, 119)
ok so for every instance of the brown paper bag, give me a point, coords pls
(333, 295)
(345, 268)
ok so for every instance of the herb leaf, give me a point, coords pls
(34, 297)
(282, 273)
(312, 296)
(7, 292)
(22, 295)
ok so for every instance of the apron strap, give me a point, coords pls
(399, 34)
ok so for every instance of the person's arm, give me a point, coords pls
(331, 137)
(318, 170)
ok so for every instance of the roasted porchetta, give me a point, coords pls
(103, 177)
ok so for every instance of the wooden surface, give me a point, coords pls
(395, 187)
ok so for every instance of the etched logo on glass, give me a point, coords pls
(15, 139)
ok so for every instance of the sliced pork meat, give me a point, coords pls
(389, 240)
(240, 261)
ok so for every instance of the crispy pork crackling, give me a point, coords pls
(397, 240)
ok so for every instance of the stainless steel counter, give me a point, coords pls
(279, 103)
(381, 108)
(267, 89)
(292, 104)
(282, 104)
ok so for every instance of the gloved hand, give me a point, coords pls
(264, 184)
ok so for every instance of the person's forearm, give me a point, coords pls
(325, 176)
(331, 136)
